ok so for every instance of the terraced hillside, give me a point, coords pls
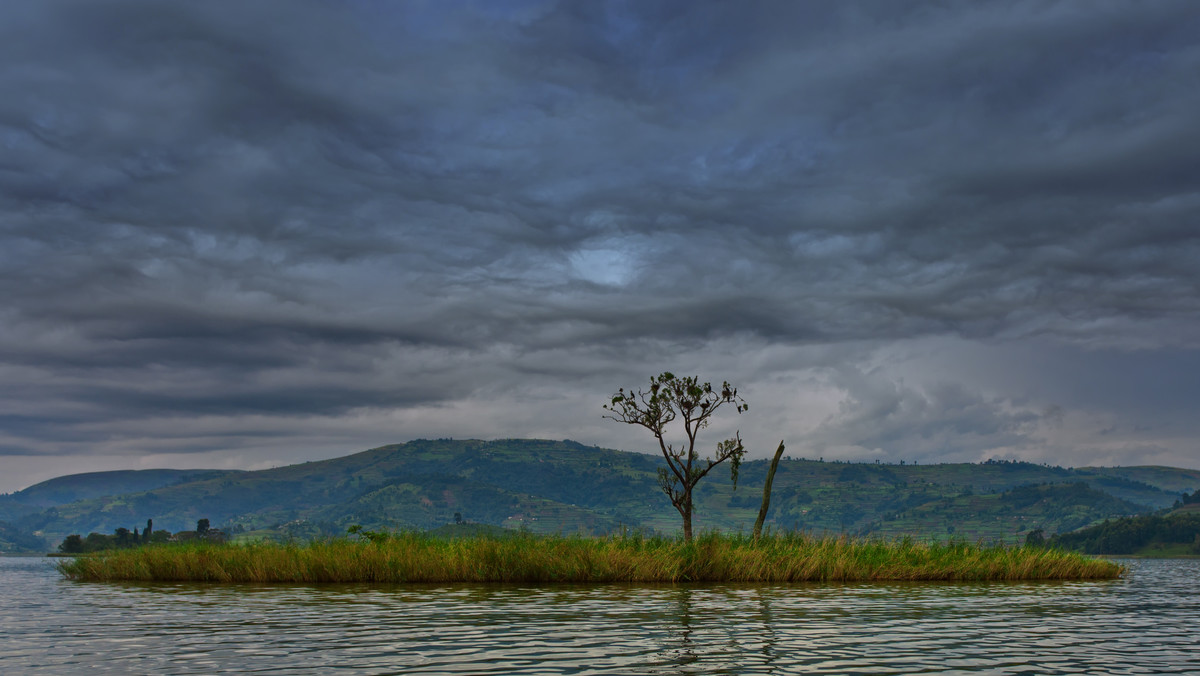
(564, 486)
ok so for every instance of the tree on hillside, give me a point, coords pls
(687, 400)
(202, 527)
(1036, 538)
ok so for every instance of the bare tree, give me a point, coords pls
(693, 403)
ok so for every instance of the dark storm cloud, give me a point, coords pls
(311, 209)
(942, 422)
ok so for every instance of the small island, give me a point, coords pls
(688, 403)
(413, 557)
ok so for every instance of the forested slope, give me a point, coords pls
(563, 486)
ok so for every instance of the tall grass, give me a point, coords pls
(415, 557)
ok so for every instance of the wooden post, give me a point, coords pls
(766, 503)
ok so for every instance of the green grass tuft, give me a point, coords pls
(419, 558)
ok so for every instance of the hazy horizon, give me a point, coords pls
(786, 456)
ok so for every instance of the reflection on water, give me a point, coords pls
(1143, 624)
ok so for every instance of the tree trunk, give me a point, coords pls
(687, 517)
(766, 503)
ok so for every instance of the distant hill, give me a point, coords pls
(75, 487)
(564, 486)
(1171, 480)
(13, 540)
(1167, 534)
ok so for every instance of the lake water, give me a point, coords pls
(1147, 623)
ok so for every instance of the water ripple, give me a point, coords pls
(1143, 624)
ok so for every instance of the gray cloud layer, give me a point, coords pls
(282, 230)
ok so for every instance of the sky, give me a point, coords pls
(243, 235)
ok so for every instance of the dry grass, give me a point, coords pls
(414, 557)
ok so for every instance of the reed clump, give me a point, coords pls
(410, 557)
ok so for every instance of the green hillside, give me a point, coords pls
(566, 487)
(1172, 480)
(13, 540)
(74, 487)
(1169, 534)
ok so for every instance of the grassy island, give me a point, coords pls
(420, 558)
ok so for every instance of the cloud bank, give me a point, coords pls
(246, 235)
